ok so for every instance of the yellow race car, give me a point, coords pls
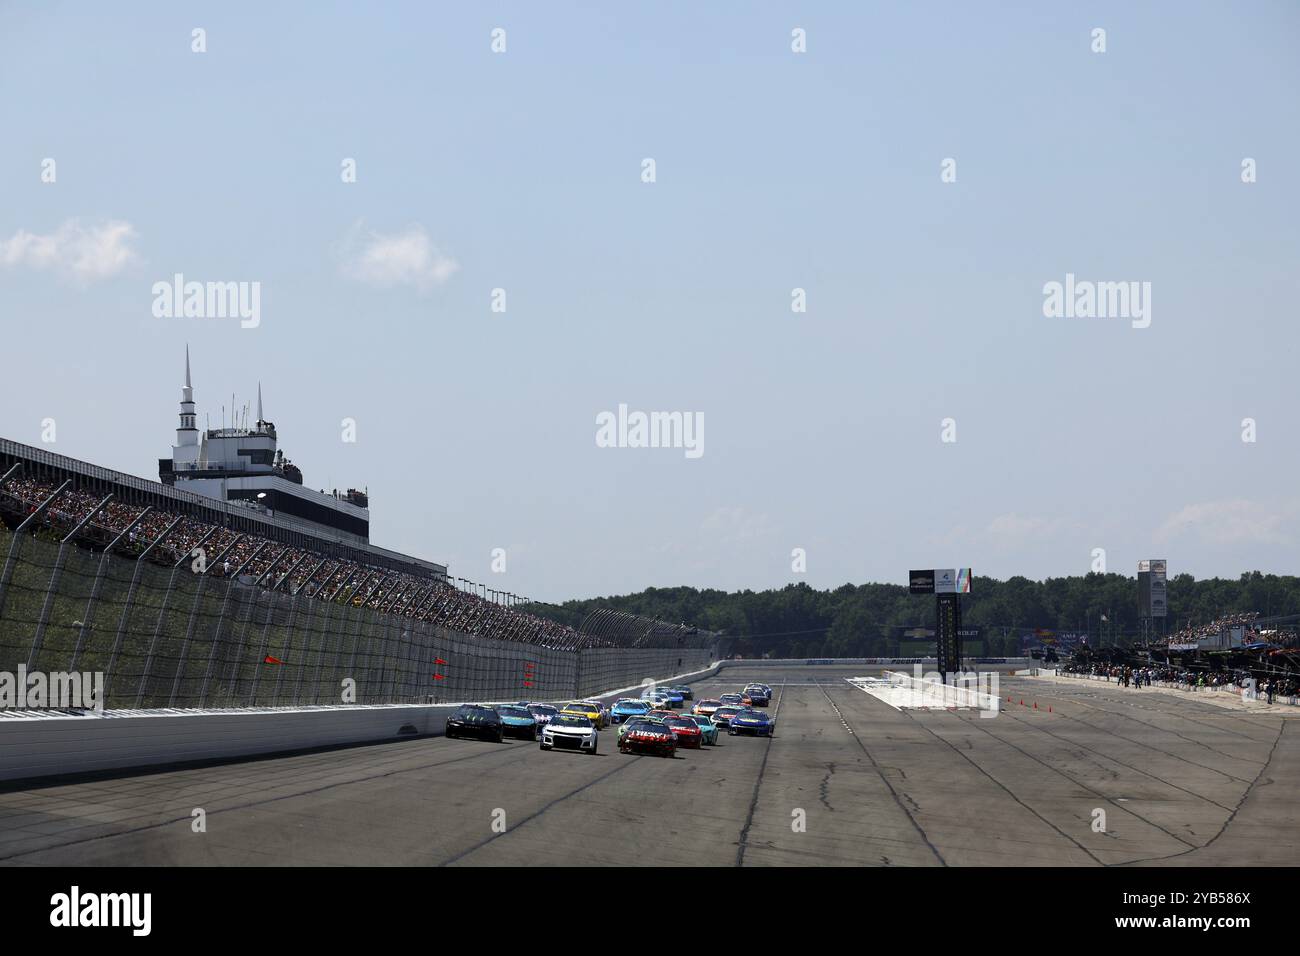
(594, 712)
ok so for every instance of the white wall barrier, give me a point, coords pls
(46, 745)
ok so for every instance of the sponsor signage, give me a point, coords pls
(1152, 585)
(939, 581)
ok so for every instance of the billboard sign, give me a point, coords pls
(920, 582)
(945, 580)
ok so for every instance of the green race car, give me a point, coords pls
(707, 727)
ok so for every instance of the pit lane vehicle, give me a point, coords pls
(475, 720)
(626, 709)
(707, 727)
(722, 716)
(750, 721)
(593, 712)
(517, 721)
(686, 731)
(570, 732)
(651, 738)
(706, 706)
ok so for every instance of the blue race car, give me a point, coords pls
(751, 721)
(676, 699)
(627, 708)
(517, 721)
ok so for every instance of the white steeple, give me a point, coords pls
(185, 453)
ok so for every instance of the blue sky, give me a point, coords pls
(775, 170)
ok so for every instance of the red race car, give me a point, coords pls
(648, 738)
(687, 732)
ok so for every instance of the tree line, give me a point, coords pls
(870, 620)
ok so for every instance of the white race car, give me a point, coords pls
(570, 732)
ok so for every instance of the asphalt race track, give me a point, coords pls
(1181, 782)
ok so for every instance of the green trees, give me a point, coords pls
(867, 620)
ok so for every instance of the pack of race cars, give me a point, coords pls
(658, 722)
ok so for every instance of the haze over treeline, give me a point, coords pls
(868, 619)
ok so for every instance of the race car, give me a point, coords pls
(755, 696)
(604, 711)
(593, 712)
(737, 699)
(661, 713)
(475, 720)
(750, 721)
(676, 699)
(542, 713)
(722, 716)
(707, 727)
(517, 721)
(627, 708)
(570, 732)
(651, 738)
(633, 722)
(687, 693)
(706, 706)
(686, 731)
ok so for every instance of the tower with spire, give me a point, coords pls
(242, 463)
(185, 453)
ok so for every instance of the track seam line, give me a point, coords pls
(880, 773)
(1145, 773)
(252, 804)
(743, 842)
(1240, 803)
(1076, 782)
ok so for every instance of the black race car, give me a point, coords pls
(475, 720)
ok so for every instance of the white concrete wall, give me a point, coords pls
(47, 746)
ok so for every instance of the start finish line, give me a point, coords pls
(972, 691)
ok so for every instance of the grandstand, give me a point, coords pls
(109, 511)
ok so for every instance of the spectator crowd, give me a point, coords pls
(1267, 686)
(171, 538)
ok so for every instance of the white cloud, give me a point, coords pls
(1234, 521)
(735, 524)
(84, 253)
(408, 257)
